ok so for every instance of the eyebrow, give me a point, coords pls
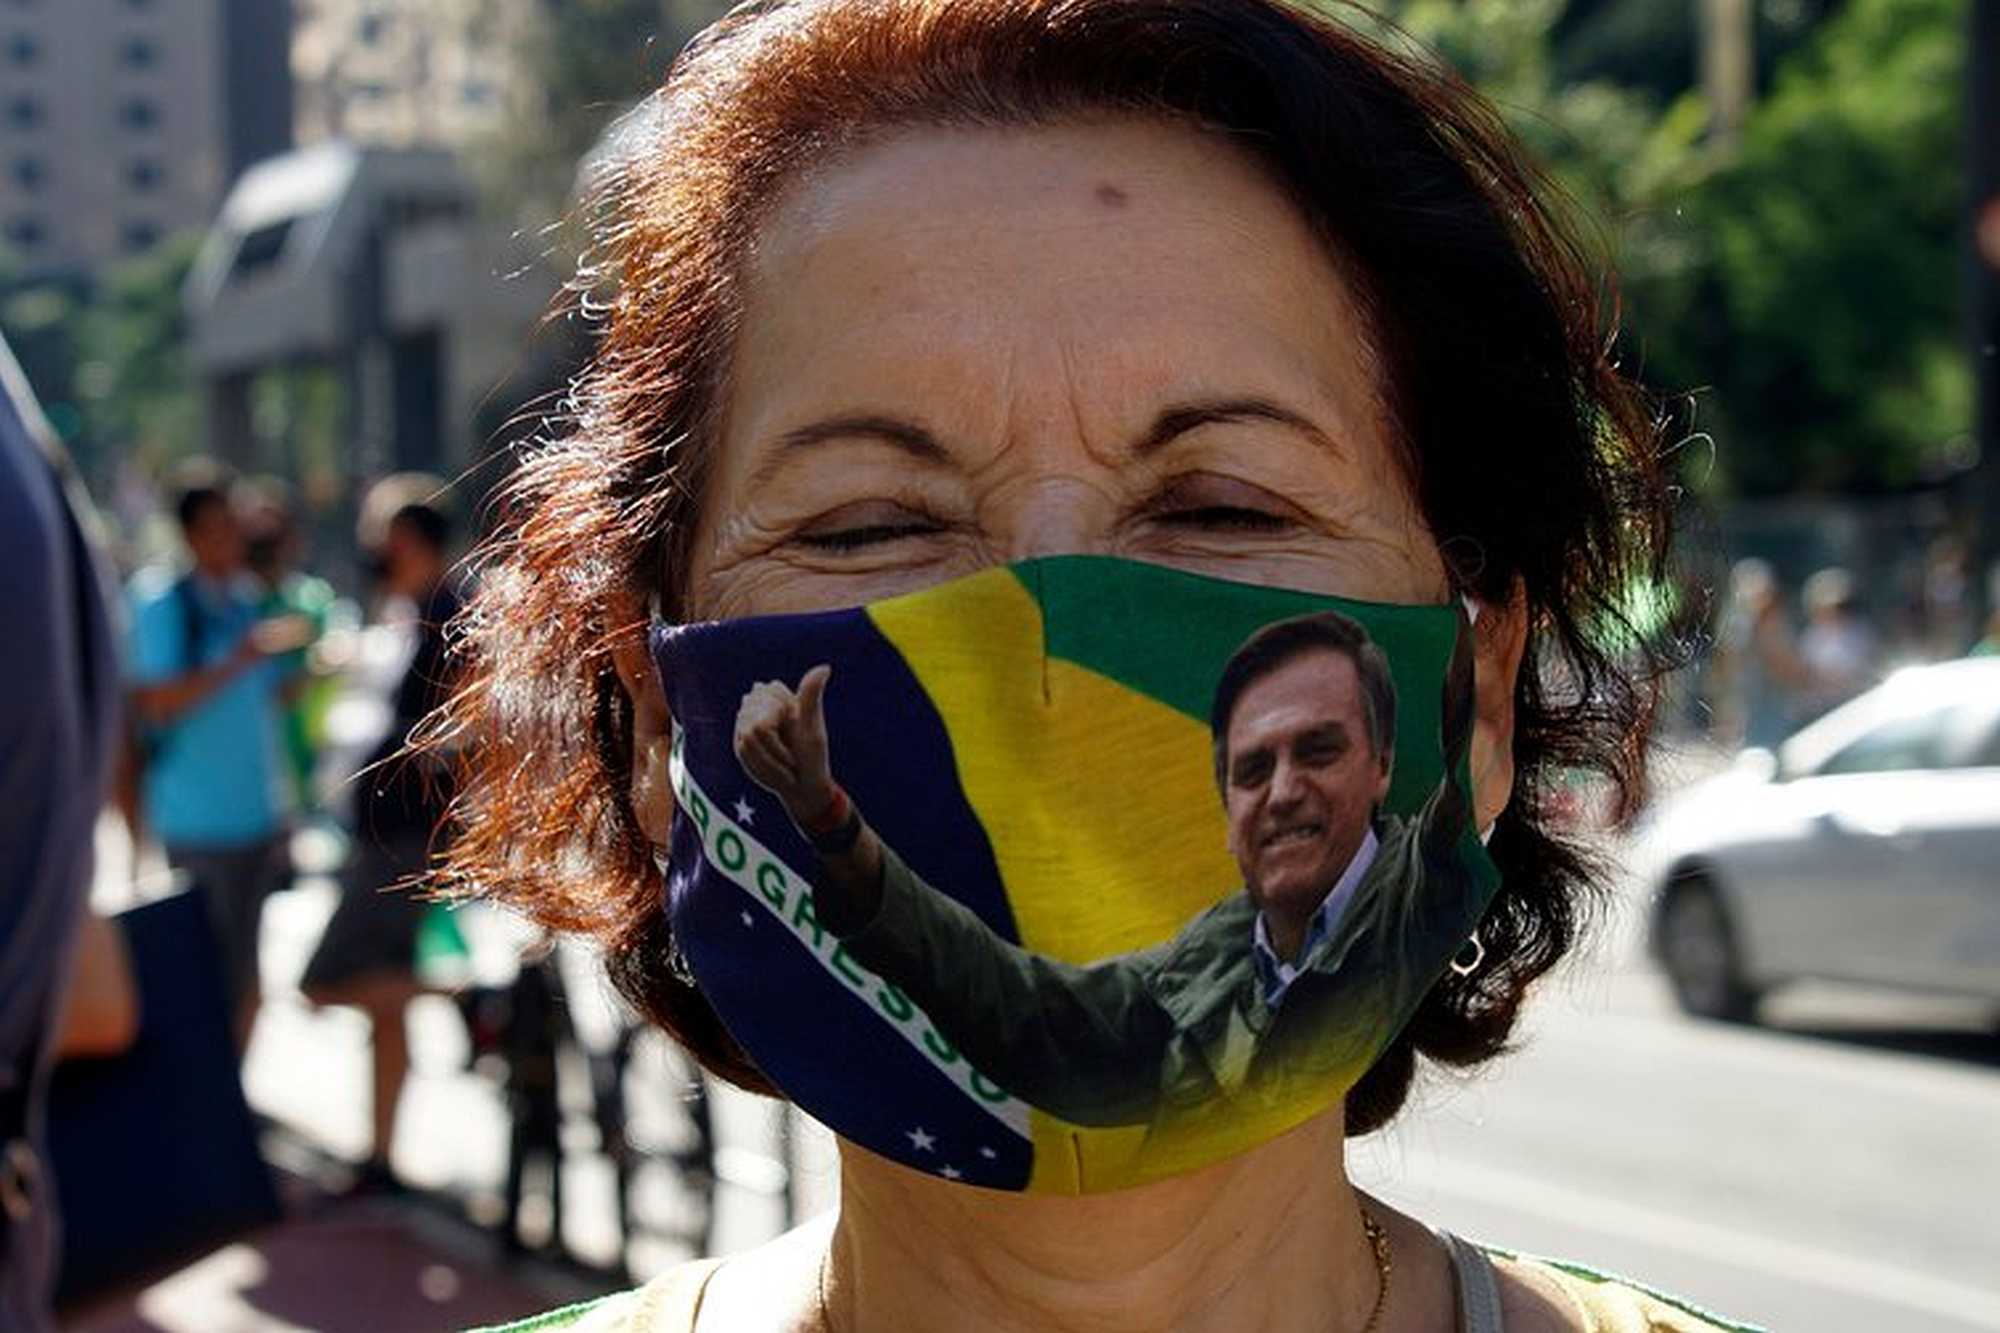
(905, 435)
(1178, 420)
(919, 443)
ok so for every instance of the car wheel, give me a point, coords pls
(1698, 948)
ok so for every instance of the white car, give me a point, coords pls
(1866, 850)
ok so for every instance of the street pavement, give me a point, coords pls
(1836, 1173)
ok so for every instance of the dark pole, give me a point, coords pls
(1983, 277)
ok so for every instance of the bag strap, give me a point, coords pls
(1478, 1286)
(191, 616)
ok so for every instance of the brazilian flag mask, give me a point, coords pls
(1110, 945)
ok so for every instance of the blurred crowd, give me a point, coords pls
(261, 701)
(1782, 658)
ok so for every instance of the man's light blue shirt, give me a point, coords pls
(214, 779)
(1274, 974)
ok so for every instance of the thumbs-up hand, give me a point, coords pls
(781, 743)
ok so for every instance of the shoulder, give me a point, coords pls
(1546, 1296)
(1199, 973)
(667, 1304)
(1218, 937)
(156, 621)
(1232, 919)
(152, 588)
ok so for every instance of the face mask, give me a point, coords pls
(1104, 949)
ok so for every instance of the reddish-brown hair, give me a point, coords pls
(1531, 457)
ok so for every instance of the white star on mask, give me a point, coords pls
(920, 1140)
(744, 814)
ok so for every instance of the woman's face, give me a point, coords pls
(965, 347)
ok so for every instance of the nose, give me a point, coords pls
(1043, 515)
(1287, 787)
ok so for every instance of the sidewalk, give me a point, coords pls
(383, 1267)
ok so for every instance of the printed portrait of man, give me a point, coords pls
(1287, 979)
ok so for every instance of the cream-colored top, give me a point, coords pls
(671, 1303)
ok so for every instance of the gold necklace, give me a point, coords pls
(1378, 1244)
(1378, 1241)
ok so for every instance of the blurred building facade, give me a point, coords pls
(362, 250)
(124, 120)
(406, 74)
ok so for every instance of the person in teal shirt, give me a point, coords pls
(1303, 974)
(206, 681)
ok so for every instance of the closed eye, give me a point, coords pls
(861, 524)
(1226, 518)
(870, 534)
(1251, 770)
(1211, 502)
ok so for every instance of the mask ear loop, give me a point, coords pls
(677, 963)
(1470, 955)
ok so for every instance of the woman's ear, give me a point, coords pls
(1499, 640)
(652, 792)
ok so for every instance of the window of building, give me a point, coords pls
(25, 233)
(23, 49)
(138, 53)
(368, 29)
(140, 235)
(138, 113)
(29, 172)
(144, 174)
(24, 113)
(477, 92)
(260, 249)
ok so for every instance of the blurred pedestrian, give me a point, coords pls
(1839, 649)
(208, 671)
(368, 956)
(1757, 670)
(58, 731)
(273, 549)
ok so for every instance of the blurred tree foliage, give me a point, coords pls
(1804, 290)
(584, 62)
(133, 381)
(1816, 285)
(107, 357)
(1653, 45)
(39, 318)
